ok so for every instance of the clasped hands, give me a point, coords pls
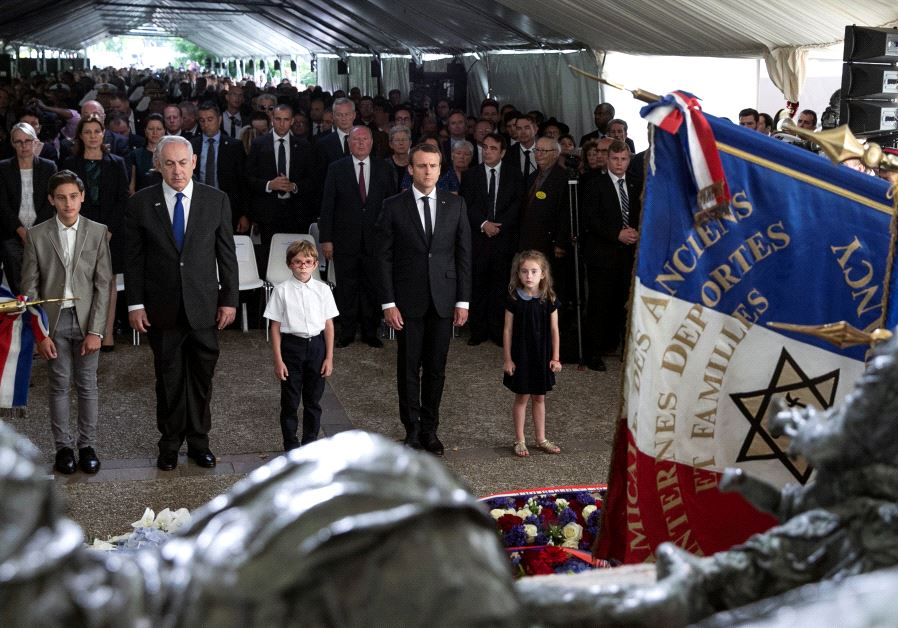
(224, 316)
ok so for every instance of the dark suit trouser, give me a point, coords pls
(423, 346)
(184, 361)
(490, 276)
(303, 358)
(356, 294)
(606, 308)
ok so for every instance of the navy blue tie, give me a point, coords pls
(177, 221)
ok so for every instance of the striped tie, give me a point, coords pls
(624, 203)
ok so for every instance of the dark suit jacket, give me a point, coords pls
(11, 194)
(475, 191)
(403, 256)
(344, 219)
(513, 158)
(230, 165)
(261, 167)
(601, 222)
(328, 149)
(161, 278)
(544, 211)
(114, 177)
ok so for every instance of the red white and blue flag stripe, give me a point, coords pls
(18, 335)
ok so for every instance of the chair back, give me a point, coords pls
(278, 270)
(247, 269)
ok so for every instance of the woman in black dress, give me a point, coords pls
(105, 194)
(530, 345)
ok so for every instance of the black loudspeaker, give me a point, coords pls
(375, 68)
(415, 72)
(292, 65)
(342, 68)
(277, 65)
(870, 80)
(5, 67)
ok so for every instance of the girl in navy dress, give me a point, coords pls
(531, 346)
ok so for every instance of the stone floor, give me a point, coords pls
(475, 425)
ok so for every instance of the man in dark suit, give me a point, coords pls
(221, 161)
(424, 265)
(492, 193)
(610, 209)
(545, 210)
(178, 232)
(334, 146)
(279, 174)
(603, 114)
(354, 191)
(523, 154)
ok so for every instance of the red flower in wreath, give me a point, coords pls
(554, 555)
(507, 522)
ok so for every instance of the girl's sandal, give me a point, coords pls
(520, 449)
(549, 447)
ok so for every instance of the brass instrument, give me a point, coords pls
(14, 306)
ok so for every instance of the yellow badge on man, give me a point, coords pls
(541, 195)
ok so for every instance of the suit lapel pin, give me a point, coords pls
(157, 204)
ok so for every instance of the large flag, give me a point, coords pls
(803, 241)
(18, 334)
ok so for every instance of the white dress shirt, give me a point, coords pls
(531, 156)
(614, 181)
(67, 236)
(302, 308)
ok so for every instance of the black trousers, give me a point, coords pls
(490, 276)
(606, 313)
(423, 345)
(184, 360)
(303, 358)
(356, 294)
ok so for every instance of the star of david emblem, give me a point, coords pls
(797, 390)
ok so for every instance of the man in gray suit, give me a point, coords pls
(176, 233)
(69, 257)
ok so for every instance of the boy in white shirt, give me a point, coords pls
(301, 311)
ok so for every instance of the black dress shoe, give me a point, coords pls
(344, 342)
(413, 440)
(65, 461)
(432, 444)
(205, 459)
(473, 341)
(88, 461)
(167, 460)
(374, 342)
(596, 365)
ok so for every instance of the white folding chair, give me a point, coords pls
(247, 271)
(278, 271)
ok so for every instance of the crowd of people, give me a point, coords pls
(492, 189)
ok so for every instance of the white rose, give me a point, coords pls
(530, 530)
(523, 513)
(146, 520)
(572, 532)
(561, 504)
(163, 519)
(588, 510)
(571, 544)
(495, 513)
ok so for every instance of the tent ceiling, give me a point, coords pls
(269, 27)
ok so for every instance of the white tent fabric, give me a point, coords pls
(786, 67)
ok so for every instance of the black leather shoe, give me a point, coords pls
(374, 342)
(412, 439)
(88, 461)
(344, 342)
(596, 365)
(205, 459)
(432, 444)
(167, 460)
(474, 341)
(65, 461)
